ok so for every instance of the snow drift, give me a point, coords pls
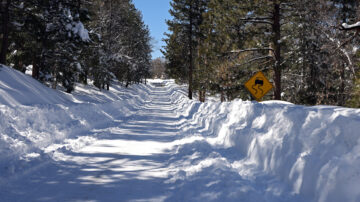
(33, 116)
(315, 151)
(20, 89)
(291, 152)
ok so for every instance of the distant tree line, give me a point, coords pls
(68, 41)
(158, 68)
(217, 45)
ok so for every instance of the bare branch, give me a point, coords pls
(342, 50)
(349, 39)
(252, 50)
(347, 27)
(256, 59)
(257, 20)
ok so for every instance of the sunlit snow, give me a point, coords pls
(150, 143)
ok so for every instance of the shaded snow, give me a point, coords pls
(150, 143)
(78, 29)
(20, 89)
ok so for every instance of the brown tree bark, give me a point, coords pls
(222, 98)
(202, 94)
(36, 67)
(191, 53)
(341, 101)
(277, 50)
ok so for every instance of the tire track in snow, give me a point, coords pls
(124, 163)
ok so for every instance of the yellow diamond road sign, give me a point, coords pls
(258, 85)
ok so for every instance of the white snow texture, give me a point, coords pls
(151, 143)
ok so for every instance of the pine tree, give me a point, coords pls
(327, 63)
(124, 48)
(5, 9)
(64, 34)
(218, 63)
(185, 28)
(263, 21)
(50, 36)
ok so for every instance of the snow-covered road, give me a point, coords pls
(139, 158)
(126, 162)
(150, 143)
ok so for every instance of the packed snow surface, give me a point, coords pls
(150, 143)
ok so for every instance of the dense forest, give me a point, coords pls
(68, 41)
(302, 46)
(214, 46)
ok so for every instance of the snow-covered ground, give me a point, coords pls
(150, 143)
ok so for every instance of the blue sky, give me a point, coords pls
(155, 12)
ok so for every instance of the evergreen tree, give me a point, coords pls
(7, 7)
(64, 34)
(300, 44)
(48, 35)
(218, 61)
(185, 28)
(51, 36)
(326, 63)
(124, 49)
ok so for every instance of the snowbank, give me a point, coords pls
(33, 116)
(20, 89)
(294, 152)
(315, 151)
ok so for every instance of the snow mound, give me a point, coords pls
(314, 151)
(33, 116)
(17, 88)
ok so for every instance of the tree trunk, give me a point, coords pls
(54, 84)
(86, 73)
(109, 45)
(78, 6)
(191, 53)
(277, 48)
(36, 68)
(55, 72)
(5, 34)
(22, 68)
(203, 94)
(341, 101)
(222, 98)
